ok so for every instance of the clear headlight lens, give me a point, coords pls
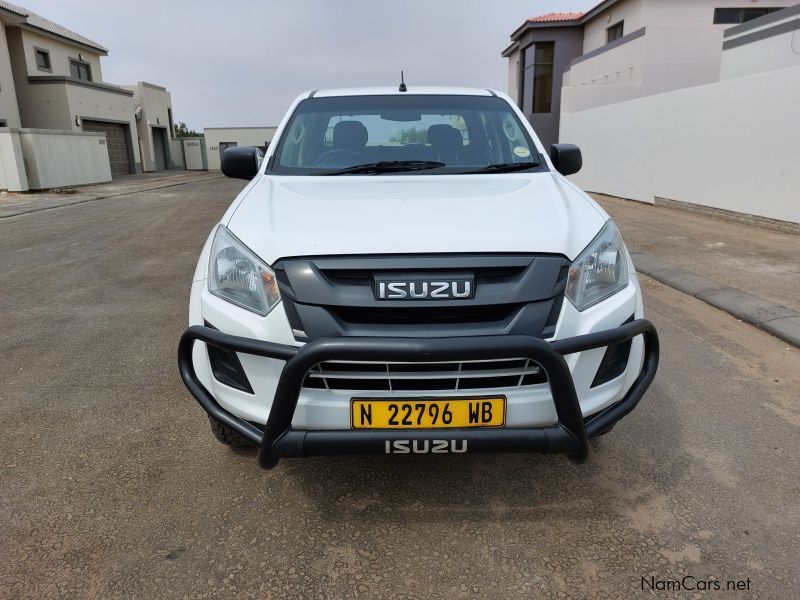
(237, 275)
(600, 271)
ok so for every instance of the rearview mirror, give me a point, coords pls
(400, 115)
(566, 158)
(241, 162)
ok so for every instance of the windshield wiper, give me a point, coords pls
(386, 166)
(506, 167)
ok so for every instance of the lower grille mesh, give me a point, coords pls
(439, 376)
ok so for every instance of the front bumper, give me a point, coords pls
(570, 435)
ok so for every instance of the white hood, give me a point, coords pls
(306, 216)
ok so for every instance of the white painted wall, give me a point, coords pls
(613, 76)
(514, 65)
(243, 136)
(12, 164)
(176, 152)
(193, 150)
(55, 158)
(733, 144)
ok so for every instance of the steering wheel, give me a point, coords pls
(344, 156)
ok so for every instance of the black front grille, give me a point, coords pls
(482, 275)
(428, 376)
(426, 316)
(334, 296)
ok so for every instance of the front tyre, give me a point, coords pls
(229, 437)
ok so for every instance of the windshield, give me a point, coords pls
(404, 133)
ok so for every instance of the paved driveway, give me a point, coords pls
(111, 485)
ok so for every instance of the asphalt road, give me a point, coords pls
(113, 487)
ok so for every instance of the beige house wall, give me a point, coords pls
(38, 106)
(64, 105)
(156, 104)
(629, 11)
(681, 47)
(772, 53)
(9, 111)
(60, 55)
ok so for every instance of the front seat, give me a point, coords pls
(350, 135)
(446, 142)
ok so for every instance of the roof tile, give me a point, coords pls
(556, 16)
(38, 22)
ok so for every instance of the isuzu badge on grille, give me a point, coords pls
(450, 288)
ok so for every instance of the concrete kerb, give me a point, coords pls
(780, 321)
(81, 199)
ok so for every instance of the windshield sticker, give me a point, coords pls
(522, 151)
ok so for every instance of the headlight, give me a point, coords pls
(600, 271)
(239, 276)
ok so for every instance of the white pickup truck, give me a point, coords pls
(409, 271)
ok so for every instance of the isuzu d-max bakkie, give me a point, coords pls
(409, 271)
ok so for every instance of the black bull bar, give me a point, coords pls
(570, 435)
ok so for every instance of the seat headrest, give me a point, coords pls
(351, 135)
(445, 135)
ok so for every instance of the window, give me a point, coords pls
(3, 123)
(614, 32)
(80, 70)
(42, 60)
(466, 133)
(537, 78)
(732, 16)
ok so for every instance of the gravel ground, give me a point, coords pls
(113, 487)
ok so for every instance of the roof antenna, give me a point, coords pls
(403, 87)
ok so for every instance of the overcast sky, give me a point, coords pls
(240, 62)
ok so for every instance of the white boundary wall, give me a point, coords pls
(732, 144)
(39, 159)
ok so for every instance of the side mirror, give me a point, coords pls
(241, 162)
(566, 158)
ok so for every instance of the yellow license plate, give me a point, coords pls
(427, 413)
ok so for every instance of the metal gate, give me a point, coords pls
(117, 142)
(160, 147)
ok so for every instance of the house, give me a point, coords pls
(219, 138)
(60, 123)
(154, 126)
(686, 103)
(619, 50)
(58, 83)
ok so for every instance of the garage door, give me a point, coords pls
(117, 142)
